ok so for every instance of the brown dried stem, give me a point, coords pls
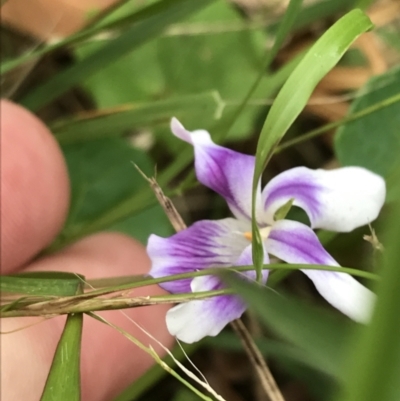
(264, 374)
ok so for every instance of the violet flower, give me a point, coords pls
(336, 200)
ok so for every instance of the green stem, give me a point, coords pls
(356, 116)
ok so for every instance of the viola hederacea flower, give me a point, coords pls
(336, 200)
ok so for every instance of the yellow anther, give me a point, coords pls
(263, 231)
(248, 235)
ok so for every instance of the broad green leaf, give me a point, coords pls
(284, 29)
(166, 68)
(64, 381)
(41, 283)
(102, 176)
(373, 141)
(121, 120)
(374, 369)
(269, 347)
(147, 28)
(296, 91)
(148, 221)
(322, 336)
(292, 360)
(374, 108)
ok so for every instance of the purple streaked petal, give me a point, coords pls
(225, 171)
(337, 200)
(192, 321)
(203, 245)
(294, 242)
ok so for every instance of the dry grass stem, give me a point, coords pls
(166, 203)
(264, 374)
(267, 381)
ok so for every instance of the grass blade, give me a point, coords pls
(114, 122)
(63, 381)
(169, 11)
(285, 27)
(41, 283)
(293, 96)
(322, 336)
(375, 369)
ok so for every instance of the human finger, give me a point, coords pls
(109, 361)
(34, 186)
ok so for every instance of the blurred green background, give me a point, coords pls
(108, 90)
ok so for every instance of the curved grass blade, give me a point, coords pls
(374, 372)
(91, 301)
(285, 27)
(169, 11)
(389, 101)
(41, 283)
(321, 335)
(116, 121)
(63, 381)
(293, 96)
(94, 27)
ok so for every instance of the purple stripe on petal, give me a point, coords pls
(298, 184)
(192, 321)
(203, 245)
(336, 200)
(225, 171)
(294, 242)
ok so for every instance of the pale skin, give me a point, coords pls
(34, 204)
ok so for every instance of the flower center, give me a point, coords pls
(263, 231)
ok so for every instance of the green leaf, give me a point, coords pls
(296, 91)
(283, 211)
(102, 177)
(41, 283)
(373, 141)
(269, 347)
(150, 26)
(374, 371)
(295, 362)
(63, 381)
(166, 66)
(185, 395)
(321, 335)
(149, 221)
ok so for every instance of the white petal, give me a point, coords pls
(194, 320)
(294, 242)
(337, 200)
(345, 293)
